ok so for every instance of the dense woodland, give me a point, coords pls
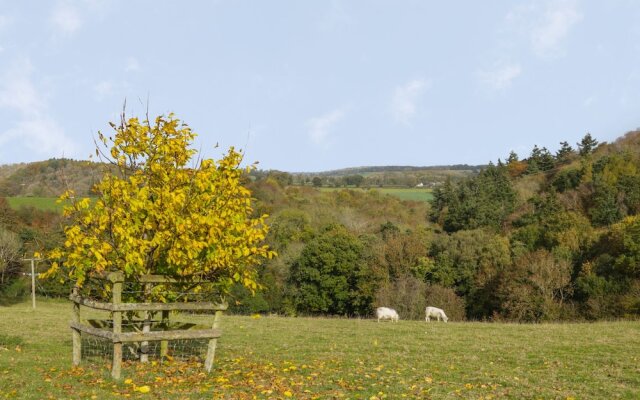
(549, 236)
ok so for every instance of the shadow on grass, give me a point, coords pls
(8, 300)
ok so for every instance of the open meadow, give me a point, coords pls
(413, 194)
(271, 357)
(41, 203)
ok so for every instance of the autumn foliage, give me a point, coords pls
(161, 211)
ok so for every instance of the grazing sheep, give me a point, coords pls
(387, 313)
(435, 312)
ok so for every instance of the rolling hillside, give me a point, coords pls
(50, 178)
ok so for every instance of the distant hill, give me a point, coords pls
(374, 176)
(49, 178)
(395, 168)
(52, 177)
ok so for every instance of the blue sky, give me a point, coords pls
(320, 85)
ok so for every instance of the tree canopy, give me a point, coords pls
(156, 213)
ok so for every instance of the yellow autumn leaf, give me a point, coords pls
(143, 389)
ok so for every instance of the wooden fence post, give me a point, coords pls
(164, 344)
(211, 349)
(77, 339)
(117, 278)
(146, 325)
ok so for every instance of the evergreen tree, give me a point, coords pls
(534, 160)
(565, 152)
(587, 145)
(547, 161)
(482, 201)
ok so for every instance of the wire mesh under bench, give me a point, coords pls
(146, 336)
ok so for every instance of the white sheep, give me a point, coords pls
(387, 313)
(435, 312)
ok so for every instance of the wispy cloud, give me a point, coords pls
(132, 65)
(33, 127)
(336, 16)
(103, 89)
(589, 101)
(559, 18)
(18, 92)
(319, 128)
(41, 135)
(500, 77)
(405, 98)
(545, 26)
(66, 18)
(5, 21)
(110, 88)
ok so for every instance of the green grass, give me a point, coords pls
(274, 357)
(41, 203)
(415, 194)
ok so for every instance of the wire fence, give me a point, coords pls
(21, 289)
(96, 350)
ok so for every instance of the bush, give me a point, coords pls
(447, 299)
(15, 291)
(406, 295)
(244, 302)
(410, 296)
(567, 179)
(9, 258)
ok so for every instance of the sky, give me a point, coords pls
(304, 86)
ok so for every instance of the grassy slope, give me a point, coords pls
(274, 357)
(42, 203)
(414, 194)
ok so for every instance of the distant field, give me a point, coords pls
(415, 194)
(49, 203)
(41, 203)
(333, 358)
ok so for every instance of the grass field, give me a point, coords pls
(42, 203)
(415, 194)
(305, 358)
(49, 203)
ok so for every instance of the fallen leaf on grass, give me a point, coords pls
(143, 389)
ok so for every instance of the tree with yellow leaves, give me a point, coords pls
(160, 210)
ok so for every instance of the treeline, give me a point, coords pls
(399, 168)
(550, 236)
(23, 232)
(547, 237)
(392, 177)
